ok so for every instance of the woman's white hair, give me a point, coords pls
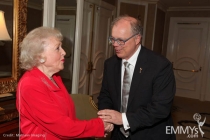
(33, 45)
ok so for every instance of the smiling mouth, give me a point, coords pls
(117, 50)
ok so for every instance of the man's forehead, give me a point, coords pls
(122, 27)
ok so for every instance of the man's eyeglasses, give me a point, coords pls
(119, 41)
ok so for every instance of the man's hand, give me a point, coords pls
(111, 116)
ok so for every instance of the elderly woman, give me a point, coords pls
(46, 110)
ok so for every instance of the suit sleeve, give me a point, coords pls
(105, 101)
(158, 109)
(36, 104)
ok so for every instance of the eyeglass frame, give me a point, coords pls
(120, 40)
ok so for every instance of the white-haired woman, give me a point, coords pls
(46, 110)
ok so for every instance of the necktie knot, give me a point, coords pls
(126, 64)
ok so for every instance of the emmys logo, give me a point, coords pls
(197, 118)
(191, 131)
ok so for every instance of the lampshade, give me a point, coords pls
(4, 35)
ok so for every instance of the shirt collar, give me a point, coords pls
(132, 60)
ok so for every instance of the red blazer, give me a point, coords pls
(47, 112)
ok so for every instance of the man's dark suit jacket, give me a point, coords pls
(150, 99)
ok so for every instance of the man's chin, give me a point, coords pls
(119, 55)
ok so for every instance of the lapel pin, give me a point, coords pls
(140, 70)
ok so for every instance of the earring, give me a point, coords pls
(41, 60)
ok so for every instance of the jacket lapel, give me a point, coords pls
(137, 74)
(117, 69)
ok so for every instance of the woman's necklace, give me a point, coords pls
(51, 79)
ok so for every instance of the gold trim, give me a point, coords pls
(9, 116)
(189, 23)
(93, 103)
(188, 70)
(19, 31)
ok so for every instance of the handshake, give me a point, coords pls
(108, 127)
(110, 117)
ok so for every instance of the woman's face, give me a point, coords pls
(53, 55)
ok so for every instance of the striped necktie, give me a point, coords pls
(125, 93)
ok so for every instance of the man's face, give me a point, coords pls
(122, 31)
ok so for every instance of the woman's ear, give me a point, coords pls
(42, 60)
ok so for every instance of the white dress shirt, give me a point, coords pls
(132, 61)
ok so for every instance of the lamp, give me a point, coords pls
(4, 35)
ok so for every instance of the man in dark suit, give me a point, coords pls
(147, 104)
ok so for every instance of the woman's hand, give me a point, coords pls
(108, 127)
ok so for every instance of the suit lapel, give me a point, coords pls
(117, 69)
(137, 74)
